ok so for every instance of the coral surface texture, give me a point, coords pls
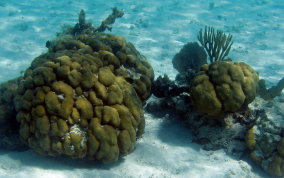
(84, 97)
(223, 87)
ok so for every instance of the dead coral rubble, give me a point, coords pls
(271, 93)
(264, 138)
(87, 28)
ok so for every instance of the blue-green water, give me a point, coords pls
(158, 29)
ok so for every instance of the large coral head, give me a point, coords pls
(223, 87)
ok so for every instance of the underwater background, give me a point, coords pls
(158, 30)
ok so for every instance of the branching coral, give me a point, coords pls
(87, 28)
(110, 20)
(216, 43)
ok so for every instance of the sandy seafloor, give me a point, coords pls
(158, 29)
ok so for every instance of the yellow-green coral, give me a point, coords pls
(250, 140)
(276, 166)
(83, 98)
(74, 101)
(9, 130)
(124, 60)
(266, 149)
(223, 87)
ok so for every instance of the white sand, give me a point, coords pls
(165, 150)
(158, 29)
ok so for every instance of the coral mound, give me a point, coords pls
(223, 87)
(191, 56)
(9, 127)
(264, 138)
(83, 98)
